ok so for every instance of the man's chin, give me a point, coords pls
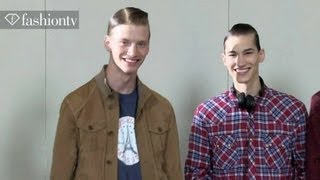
(130, 71)
(241, 80)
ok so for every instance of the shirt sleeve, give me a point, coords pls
(300, 144)
(197, 165)
(313, 142)
(65, 146)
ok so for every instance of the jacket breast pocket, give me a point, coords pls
(158, 134)
(277, 150)
(225, 151)
(91, 134)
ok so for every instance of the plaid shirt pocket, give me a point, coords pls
(225, 151)
(277, 150)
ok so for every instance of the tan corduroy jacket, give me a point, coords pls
(85, 146)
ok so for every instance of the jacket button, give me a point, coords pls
(159, 129)
(110, 133)
(90, 127)
(110, 96)
(110, 107)
(109, 162)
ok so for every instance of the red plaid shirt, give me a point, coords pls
(229, 143)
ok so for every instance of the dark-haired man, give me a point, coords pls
(250, 131)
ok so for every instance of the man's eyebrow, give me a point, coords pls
(232, 51)
(249, 49)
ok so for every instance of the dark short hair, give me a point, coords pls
(243, 29)
(128, 15)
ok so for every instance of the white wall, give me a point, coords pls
(22, 100)
(39, 67)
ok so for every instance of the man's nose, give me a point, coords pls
(132, 50)
(240, 60)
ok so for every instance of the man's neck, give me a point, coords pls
(120, 82)
(249, 88)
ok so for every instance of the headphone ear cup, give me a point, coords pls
(242, 100)
(250, 103)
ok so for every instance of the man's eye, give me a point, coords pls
(142, 45)
(232, 55)
(124, 43)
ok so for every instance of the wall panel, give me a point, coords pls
(22, 100)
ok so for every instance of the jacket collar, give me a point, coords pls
(143, 90)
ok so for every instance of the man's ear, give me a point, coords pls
(261, 55)
(107, 43)
(223, 57)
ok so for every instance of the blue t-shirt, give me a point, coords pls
(128, 157)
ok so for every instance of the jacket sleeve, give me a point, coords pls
(197, 165)
(172, 151)
(65, 145)
(313, 136)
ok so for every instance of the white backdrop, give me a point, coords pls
(39, 67)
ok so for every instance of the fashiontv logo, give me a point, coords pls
(39, 19)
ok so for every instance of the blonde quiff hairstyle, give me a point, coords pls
(129, 16)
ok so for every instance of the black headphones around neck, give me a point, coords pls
(247, 101)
